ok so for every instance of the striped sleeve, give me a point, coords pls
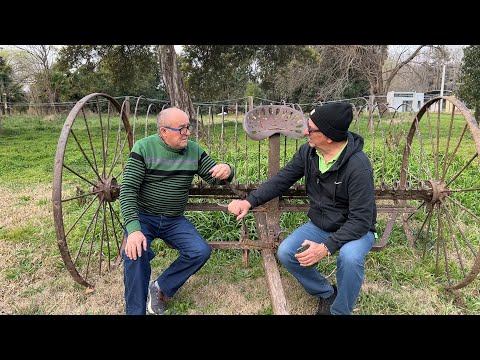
(133, 176)
(205, 163)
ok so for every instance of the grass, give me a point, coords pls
(34, 279)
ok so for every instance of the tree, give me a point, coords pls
(326, 74)
(37, 70)
(222, 72)
(10, 90)
(173, 80)
(370, 60)
(336, 71)
(114, 69)
(469, 89)
(80, 65)
(270, 59)
(216, 72)
(5, 80)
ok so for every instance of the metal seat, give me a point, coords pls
(263, 121)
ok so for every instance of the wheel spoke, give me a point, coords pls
(94, 217)
(427, 218)
(85, 155)
(87, 267)
(119, 157)
(103, 139)
(455, 240)
(445, 155)
(90, 141)
(468, 211)
(117, 242)
(81, 215)
(80, 176)
(102, 238)
(119, 132)
(461, 170)
(81, 196)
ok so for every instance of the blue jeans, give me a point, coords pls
(178, 232)
(350, 267)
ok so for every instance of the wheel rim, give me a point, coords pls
(91, 154)
(441, 157)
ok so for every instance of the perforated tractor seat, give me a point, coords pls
(266, 120)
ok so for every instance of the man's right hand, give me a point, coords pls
(135, 241)
(239, 207)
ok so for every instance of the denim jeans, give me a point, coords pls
(178, 232)
(350, 267)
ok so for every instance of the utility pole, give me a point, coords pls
(441, 89)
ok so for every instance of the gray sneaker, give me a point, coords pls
(156, 300)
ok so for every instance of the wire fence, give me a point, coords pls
(217, 106)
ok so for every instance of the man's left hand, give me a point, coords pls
(312, 255)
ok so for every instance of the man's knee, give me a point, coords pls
(283, 254)
(202, 253)
(147, 255)
(350, 259)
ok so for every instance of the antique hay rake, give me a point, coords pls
(426, 169)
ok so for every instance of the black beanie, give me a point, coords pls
(333, 119)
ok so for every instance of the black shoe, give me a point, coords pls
(324, 304)
(156, 300)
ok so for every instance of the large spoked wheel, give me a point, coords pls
(91, 155)
(441, 157)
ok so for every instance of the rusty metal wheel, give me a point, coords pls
(91, 154)
(441, 162)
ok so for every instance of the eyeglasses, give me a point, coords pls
(310, 130)
(182, 130)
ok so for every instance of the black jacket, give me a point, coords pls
(342, 200)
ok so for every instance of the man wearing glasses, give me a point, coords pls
(339, 185)
(154, 194)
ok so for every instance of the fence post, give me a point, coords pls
(127, 108)
(371, 105)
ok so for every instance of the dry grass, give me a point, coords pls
(25, 205)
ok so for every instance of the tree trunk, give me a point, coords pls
(173, 80)
(477, 112)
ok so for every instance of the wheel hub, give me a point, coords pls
(439, 191)
(109, 190)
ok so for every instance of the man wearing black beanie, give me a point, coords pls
(339, 185)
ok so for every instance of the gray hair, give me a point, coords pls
(162, 118)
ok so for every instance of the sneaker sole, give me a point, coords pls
(149, 305)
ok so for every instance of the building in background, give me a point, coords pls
(405, 100)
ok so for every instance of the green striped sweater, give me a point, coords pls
(157, 178)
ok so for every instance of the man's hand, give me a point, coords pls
(135, 241)
(312, 255)
(221, 171)
(239, 207)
